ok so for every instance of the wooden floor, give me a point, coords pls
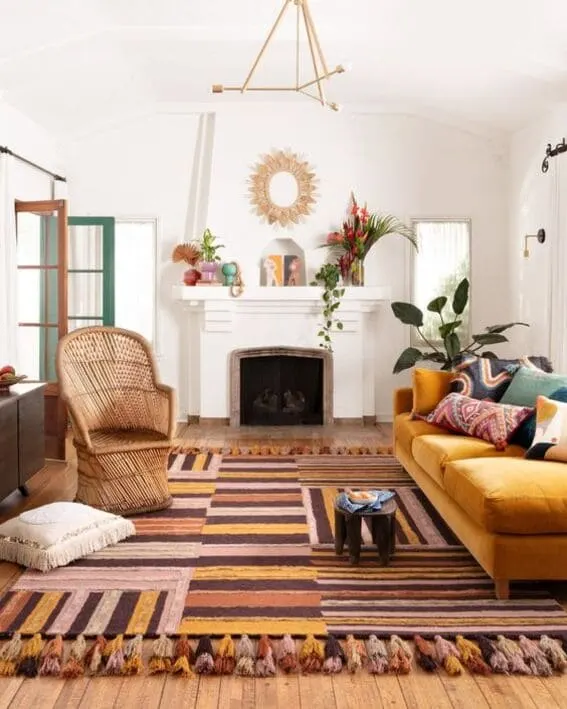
(418, 690)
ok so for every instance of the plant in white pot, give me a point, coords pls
(209, 256)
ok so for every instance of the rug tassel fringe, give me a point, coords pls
(225, 659)
(335, 656)
(535, 657)
(52, 657)
(554, 653)
(377, 656)
(425, 654)
(184, 657)
(287, 655)
(9, 656)
(471, 656)
(245, 657)
(513, 654)
(114, 653)
(133, 662)
(93, 658)
(493, 656)
(355, 654)
(204, 662)
(75, 665)
(311, 655)
(448, 656)
(30, 657)
(160, 661)
(265, 665)
(400, 657)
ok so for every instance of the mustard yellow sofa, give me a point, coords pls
(511, 513)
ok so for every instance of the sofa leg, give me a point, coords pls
(502, 589)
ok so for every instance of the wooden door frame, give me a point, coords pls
(51, 390)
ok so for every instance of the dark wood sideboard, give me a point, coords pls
(22, 441)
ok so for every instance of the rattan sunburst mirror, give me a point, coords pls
(282, 188)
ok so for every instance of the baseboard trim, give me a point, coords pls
(196, 420)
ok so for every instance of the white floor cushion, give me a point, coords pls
(58, 533)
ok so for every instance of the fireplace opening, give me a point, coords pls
(281, 387)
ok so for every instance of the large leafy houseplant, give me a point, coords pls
(449, 347)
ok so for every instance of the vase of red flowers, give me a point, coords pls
(359, 232)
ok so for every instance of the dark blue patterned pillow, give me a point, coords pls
(488, 377)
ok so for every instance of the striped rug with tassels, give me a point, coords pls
(247, 547)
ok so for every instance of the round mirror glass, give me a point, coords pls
(284, 189)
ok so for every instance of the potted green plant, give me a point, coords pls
(447, 347)
(209, 256)
(328, 277)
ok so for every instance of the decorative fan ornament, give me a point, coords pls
(274, 163)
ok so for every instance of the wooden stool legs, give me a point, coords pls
(348, 529)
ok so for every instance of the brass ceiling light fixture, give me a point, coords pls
(320, 67)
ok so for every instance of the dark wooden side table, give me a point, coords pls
(348, 528)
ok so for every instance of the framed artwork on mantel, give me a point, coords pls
(282, 264)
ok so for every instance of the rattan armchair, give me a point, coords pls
(123, 420)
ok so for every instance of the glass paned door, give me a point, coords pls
(90, 271)
(41, 232)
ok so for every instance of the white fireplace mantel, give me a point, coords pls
(219, 323)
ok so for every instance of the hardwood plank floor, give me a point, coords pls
(57, 481)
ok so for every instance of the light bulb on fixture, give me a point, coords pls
(341, 68)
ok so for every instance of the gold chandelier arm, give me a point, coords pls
(308, 29)
(263, 49)
(309, 19)
(320, 78)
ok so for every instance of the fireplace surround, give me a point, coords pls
(281, 386)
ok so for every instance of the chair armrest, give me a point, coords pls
(403, 400)
(79, 425)
(165, 407)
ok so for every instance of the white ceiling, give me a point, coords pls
(74, 64)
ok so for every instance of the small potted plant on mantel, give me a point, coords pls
(209, 258)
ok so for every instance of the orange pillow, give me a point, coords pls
(429, 387)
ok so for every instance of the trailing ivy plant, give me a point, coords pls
(451, 347)
(328, 277)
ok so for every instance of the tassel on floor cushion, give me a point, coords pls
(448, 656)
(355, 654)
(93, 658)
(471, 656)
(225, 659)
(161, 659)
(183, 658)
(133, 663)
(535, 657)
(30, 657)
(114, 653)
(425, 653)
(493, 656)
(400, 656)
(554, 653)
(204, 662)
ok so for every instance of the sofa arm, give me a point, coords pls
(403, 400)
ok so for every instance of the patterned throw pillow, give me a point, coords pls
(550, 440)
(524, 436)
(488, 378)
(488, 420)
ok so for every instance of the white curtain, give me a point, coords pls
(557, 240)
(8, 267)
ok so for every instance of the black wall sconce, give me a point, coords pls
(540, 236)
(552, 152)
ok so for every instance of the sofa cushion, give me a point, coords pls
(510, 495)
(489, 377)
(429, 387)
(406, 429)
(527, 384)
(488, 420)
(433, 453)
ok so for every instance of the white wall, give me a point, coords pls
(533, 205)
(23, 136)
(408, 166)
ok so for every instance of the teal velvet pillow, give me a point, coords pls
(524, 435)
(527, 384)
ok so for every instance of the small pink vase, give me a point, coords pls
(208, 271)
